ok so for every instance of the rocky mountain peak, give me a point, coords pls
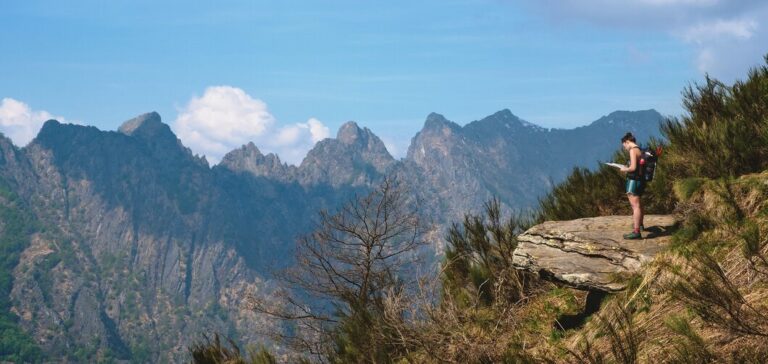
(437, 121)
(251, 149)
(249, 158)
(630, 119)
(143, 124)
(55, 133)
(49, 125)
(503, 119)
(157, 135)
(350, 133)
(504, 114)
(363, 139)
(246, 152)
(355, 157)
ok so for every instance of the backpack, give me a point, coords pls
(648, 159)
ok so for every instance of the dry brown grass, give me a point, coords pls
(450, 331)
(696, 326)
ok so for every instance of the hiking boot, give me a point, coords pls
(642, 227)
(632, 236)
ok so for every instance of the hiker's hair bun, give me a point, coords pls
(628, 136)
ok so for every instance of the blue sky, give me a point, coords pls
(288, 73)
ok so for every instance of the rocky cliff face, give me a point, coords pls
(131, 259)
(138, 245)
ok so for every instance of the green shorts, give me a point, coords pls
(635, 187)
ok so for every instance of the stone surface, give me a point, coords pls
(591, 253)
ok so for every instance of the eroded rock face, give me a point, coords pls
(591, 253)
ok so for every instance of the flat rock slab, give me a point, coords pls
(591, 253)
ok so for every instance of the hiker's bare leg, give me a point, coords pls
(637, 212)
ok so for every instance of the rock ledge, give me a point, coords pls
(591, 253)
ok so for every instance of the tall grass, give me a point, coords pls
(214, 351)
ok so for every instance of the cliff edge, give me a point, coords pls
(591, 253)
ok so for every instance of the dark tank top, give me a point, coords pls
(636, 174)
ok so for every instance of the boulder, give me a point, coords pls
(591, 253)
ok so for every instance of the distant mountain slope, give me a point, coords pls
(140, 245)
(504, 156)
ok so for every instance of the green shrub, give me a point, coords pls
(586, 194)
(690, 347)
(724, 134)
(725, 131)
(685, 188)
(479, 257)
(213, 351)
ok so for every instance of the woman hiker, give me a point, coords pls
(635, 185)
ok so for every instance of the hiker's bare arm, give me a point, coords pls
(634, 154)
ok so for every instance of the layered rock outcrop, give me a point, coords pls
(591, 253)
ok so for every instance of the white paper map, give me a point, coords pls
(616, 165)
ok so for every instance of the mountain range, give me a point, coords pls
(125, 245)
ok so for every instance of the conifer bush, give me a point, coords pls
(725, 131)
(479, 257)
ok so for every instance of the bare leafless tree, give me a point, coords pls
(345, 266)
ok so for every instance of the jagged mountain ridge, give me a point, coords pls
(356, 157)
(142, 244)
(503, 156)
(500, 155)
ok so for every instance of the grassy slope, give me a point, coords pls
(703, 300)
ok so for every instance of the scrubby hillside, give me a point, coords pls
(703, 299)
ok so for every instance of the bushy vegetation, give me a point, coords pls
(705, 299)
(214, 351)
(479, 259)
(483, 312)
(587, 193)
(725, 131)
(723, 134)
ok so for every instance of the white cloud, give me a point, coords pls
(226, 117)
(705, 32)
(317, 130)
(727, 37)
(397, 147)
(19, 122)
